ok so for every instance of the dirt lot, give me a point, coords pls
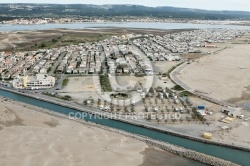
(80, 84)
(222, 76)
(81, 88)
(165, 66)
(124, 81)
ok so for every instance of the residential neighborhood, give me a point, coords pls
(125, 54)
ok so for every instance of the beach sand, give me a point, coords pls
(32, 138)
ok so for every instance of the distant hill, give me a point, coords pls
(81, 10)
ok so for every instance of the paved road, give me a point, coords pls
(144, 57)
(103, 62)
(55, 65)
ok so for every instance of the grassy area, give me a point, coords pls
(49, 69)
(186, 93)
(177, 88)
(65, 82)
(66, 97)
(119, 96)
(140, 74)
(105, 84)
(70, 38)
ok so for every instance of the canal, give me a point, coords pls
(234, 155)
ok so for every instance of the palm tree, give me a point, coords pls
(166, 121)
(188, 119)
(174, 120)
(126, 109)
(194, 117)
(99, 101)
(112, 107)
(158, 120)
(149, 118)
(132, 109)
(156, 101)
(112, 110)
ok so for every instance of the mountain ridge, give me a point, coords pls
(116, 10)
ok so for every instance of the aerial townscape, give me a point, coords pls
(123, 84)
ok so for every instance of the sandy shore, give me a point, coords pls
(32, 138)
(222, 76)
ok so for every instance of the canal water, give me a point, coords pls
(147, 25)
(234, 155)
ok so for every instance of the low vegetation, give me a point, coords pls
(105, 84)
(177, 88)
(119, 96)
(186, 93)
(65, 82)
(67, 39)
(66, 97)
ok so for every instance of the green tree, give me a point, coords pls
(54, 40)
(43, 45)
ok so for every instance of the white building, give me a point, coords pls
(233, 112)
(43, 71)
(40, 81)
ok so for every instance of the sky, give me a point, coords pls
(243, 5)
